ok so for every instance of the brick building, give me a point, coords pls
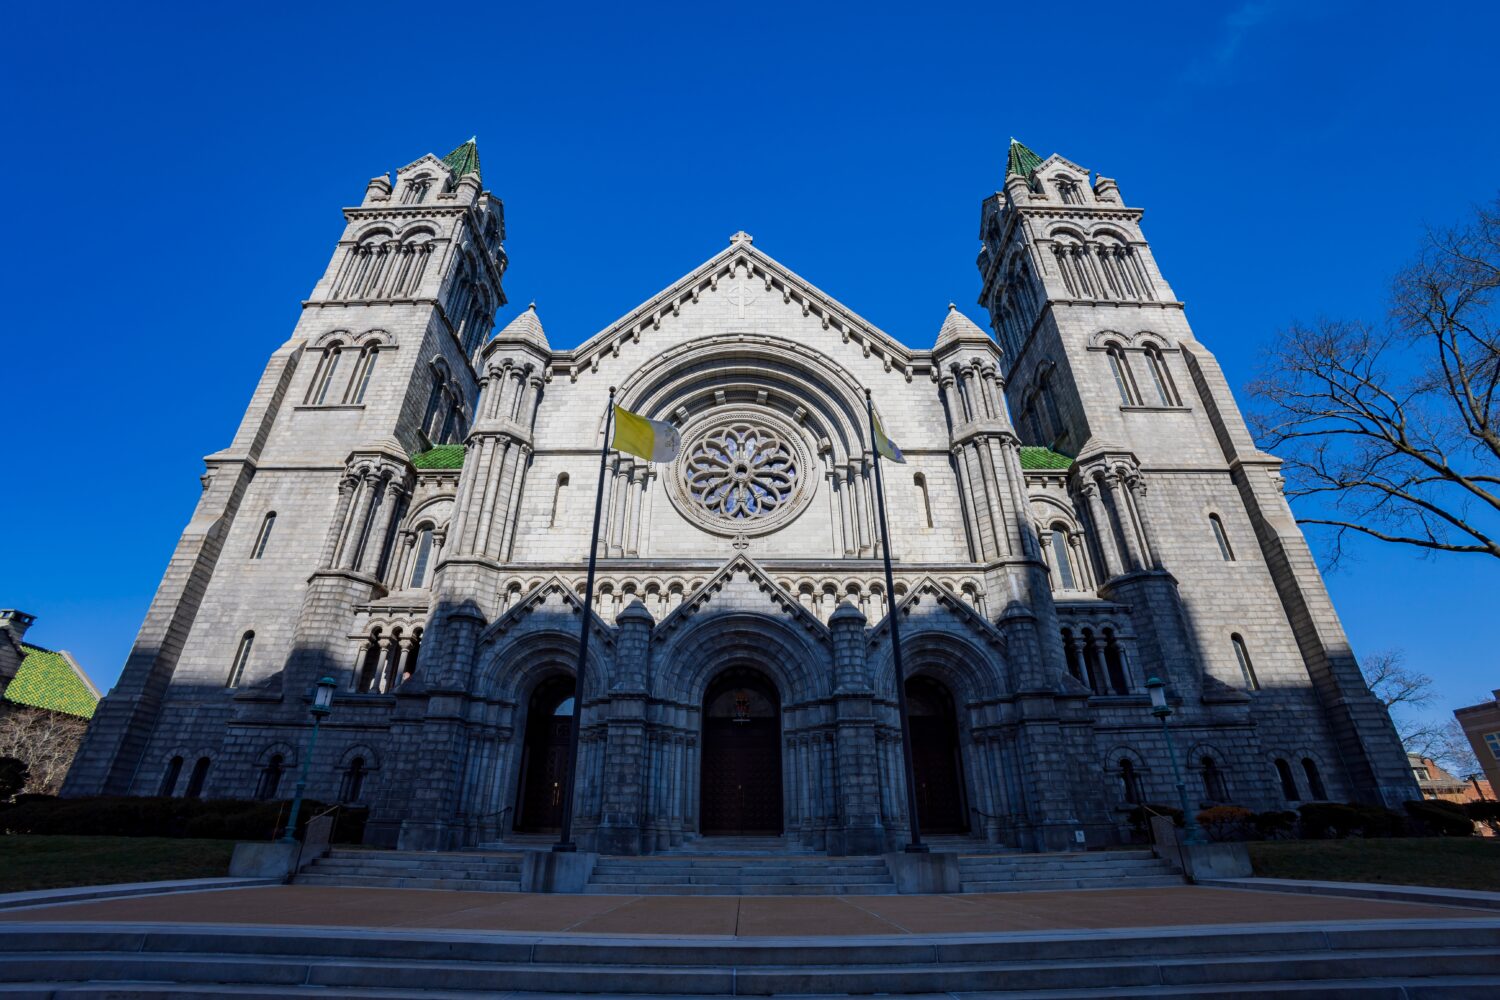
(406, 508)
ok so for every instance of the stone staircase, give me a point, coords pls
(1082, 870)
(1410, 960)
(710, 875)
(477, 870)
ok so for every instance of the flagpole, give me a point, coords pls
(565, 840)
(915, 846)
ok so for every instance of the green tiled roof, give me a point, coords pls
(1021, 160)
(1037, 457)
(444, 456)
(464, 160)
(46, 680)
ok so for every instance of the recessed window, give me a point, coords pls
(1492, 740)
(1066, 578)
(1161, 379)
(1247, 668)
(1221, 537)
(169, 778)
(1422, 773)
(1130, 781)
(557, 498)
(354, 781)
(270, 777)
(1215, 789)
(1288, 783)
(1119, 366)
(264, 537)
(921, 483)
(241, 658)
(325, 377)
(363, 372)
(197, 779)
(422, 558)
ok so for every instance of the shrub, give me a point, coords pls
(1324, 820)
(226, 819)
(1447, 819)
(1378, 821)
(1486, 809)
(1274, 825)
(1226, 822)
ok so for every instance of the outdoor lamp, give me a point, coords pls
(1192, 832)
(323, 696)
(321, 706)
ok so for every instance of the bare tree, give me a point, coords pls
(1404, 691)
(1393, 430)
(44, 741)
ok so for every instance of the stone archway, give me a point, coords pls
(740, 762)
(936, 758)
(544, 756)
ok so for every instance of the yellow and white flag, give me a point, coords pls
(885, 445)
(653, 440)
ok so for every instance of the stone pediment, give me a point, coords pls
(741, 585)
(555, 594)
(436, 165)
(929, 597)
(739, 270)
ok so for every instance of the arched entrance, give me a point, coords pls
(740, 773)
(544, 756)
(935, 757)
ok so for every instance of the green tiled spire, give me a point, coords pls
(1021, 160)
(464, 159)
(444, 456)
(47, 680)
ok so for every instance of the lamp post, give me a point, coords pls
(1193, 833)
(321, 706)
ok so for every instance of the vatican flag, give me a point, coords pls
(653, 440)
(885, 445)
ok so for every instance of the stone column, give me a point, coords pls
(349, 550)
(1137, 484)
(1103, 529)
(857, 762)
(375, 543)
(623, 788)
(1127, 521)
(348, 483)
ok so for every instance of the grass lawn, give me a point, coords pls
(1449, 862)
(34, 862)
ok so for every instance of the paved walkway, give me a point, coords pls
(735, 916)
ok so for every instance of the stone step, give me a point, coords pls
(729, 879)
(766, 868)
(449, 871)
(738, 889)
(346, 853)
(411, 882)
(1047, 885)
(487, 977)
(1075, 871)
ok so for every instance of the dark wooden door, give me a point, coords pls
(940, 797)
(544, 774)
(740, 791)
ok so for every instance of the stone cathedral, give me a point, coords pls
(407, 502)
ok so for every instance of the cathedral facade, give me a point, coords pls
(407, 503)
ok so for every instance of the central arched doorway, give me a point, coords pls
(544, 756)
(740, 773)
(935, 757)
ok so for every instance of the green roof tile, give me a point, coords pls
(47, 680)
(1021, 160)
(464, 160)
(444, 456)
(1036, 457)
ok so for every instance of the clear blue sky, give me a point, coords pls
(176, 175)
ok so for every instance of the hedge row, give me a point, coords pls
(221, 819)
(1332, 820)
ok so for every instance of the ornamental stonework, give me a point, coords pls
(743, 472)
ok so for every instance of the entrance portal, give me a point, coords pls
(544, 756)
(740, 778)
(935, 757)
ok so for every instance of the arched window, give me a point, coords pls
(1288, 783)
(241, 658)
(1130, 782)
(921, 483)
(364, 370)
(169, 778)
(197, 779)
(265, 535)
(1314, 779)
(434, 408)
(1221, 537)
(1049, 407)
(557, 497)
(422, 557)
(1247, 668)
(416, 190)
(1063, 557)
(1071, 655)
(1114, 662)
(353, 786)
(1161, 379)
(1214, 787)
(1119, 366)
(324, 381)
(1067, 189)
(1098, 680)
(270, 777)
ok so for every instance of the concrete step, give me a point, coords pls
(410, 882)
(1048, 885)
(738, 889)
(741, 868)
(729, 881)
(355, 868)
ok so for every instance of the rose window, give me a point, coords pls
(741, 472)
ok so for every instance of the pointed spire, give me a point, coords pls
(526, 327)
(1021, 160)
(464, 160)
(956, 324)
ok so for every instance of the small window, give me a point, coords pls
(364, 373)
(1422, 773)
(557, 498)
(354, 781)
(1492, 740)
(197, 779)
(1130, 782)
(1288, 783)
(1314, 779)
(1063, 557)
(1247, 668)
(423, 556)
(1215, 789)
(921, 483)
(1221, 537)
(1161, 379)
(241, 658)
(1124, 382)
(265, 535)
(330, 365)
(270, 777)
(169, 779)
